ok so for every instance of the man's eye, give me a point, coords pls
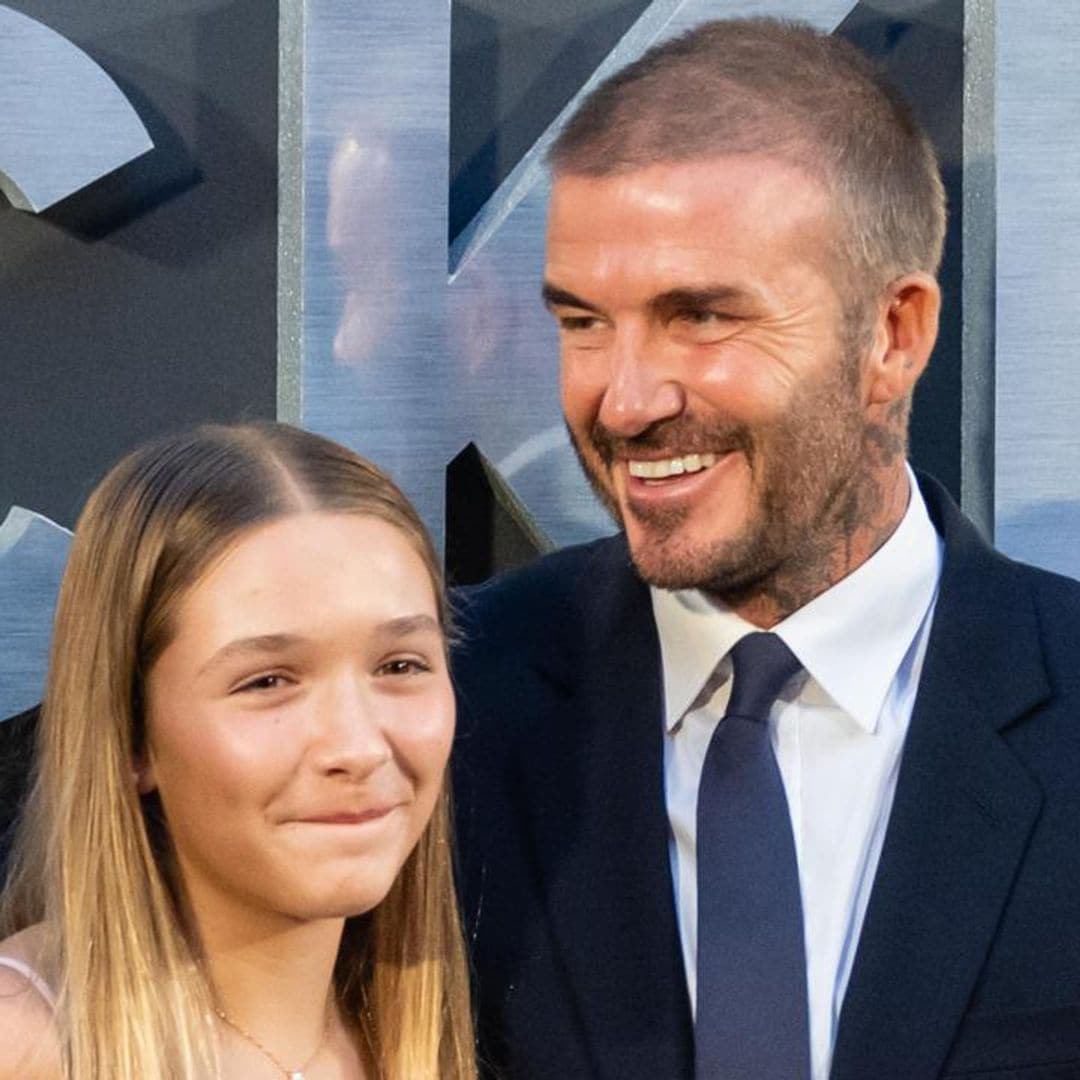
(700, 317)
(574, 323)
(405, 665)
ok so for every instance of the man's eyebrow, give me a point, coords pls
(553, 296)
(673, 299)
(259, 645)
(703, 297)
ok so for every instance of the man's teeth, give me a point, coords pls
(676, 466)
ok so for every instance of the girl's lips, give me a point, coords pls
(348, 817)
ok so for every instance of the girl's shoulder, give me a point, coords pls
(29, 1046)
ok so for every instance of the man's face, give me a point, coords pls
(708, 383)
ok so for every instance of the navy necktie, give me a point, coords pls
(751, 1021)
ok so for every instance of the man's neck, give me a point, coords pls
(861, 521)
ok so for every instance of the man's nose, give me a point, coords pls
(642, 387)
(349, 737)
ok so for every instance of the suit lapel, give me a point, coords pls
(601, 831)
(960, 823)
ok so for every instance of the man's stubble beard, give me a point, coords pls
(808, 483)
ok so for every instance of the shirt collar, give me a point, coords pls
(851, 639)
(695, 635)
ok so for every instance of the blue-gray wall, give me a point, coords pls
(146, 301)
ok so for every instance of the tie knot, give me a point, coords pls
(761, 665)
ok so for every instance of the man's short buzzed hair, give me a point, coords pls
(781, 88)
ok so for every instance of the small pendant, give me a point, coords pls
(297, 1075)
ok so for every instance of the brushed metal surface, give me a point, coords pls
(63, 122)
(980, 249)
(1037, 455)
(403, 361)
(290, 264)
(33, 551)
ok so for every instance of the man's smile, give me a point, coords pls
(661, 485)
(672, 466)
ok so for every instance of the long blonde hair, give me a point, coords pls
(91, 859)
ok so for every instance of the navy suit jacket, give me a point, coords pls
(969, 960)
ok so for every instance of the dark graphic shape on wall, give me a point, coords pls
(513, 68)
(65, 123)
(488, 528)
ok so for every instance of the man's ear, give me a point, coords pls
(904, 337)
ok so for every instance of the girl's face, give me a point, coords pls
(299, 722)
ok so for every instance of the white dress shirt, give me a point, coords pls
(838, 731)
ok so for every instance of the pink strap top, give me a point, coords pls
(32, 977)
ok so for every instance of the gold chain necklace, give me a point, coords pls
(289, 1074)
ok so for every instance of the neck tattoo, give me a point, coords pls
(289, 1074)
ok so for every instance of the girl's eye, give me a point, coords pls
(403, 666)
(263, 682)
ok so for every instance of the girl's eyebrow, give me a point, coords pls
(261, 644)
(271, 644)
(404, 625)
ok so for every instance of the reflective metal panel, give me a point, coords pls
(400, 361)
(33, 551)
(1038, 284)
(63, 122)
(979, 252)
(290, 262)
